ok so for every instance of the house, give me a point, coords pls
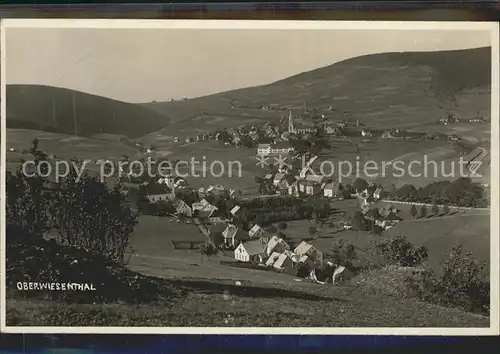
(180, 183)
(293, 189)
(372, 214)
(330, 130)
(203, 205)
(365, 133)
(203, 214)
(276, 244)
(281, 149)
(234, 235)
(330, 189)
(235, 193)
(304, 128)
(278, 177)
(306, 249)
(268, 177)
(282, 262)
(216, 189)
(263, 149)
(272, 258)
(156, 192)
(182, 208)
(176, 139)
(250, 251)
(256, 231)
(315, 178)
(392, 217)
(235, 210)
(216, 217)
(377, 194)
(308, 187)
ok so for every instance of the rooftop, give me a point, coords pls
(254, 247)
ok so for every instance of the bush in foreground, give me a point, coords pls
(45, 261)
(463, 284)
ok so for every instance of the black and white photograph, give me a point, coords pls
(249, 177)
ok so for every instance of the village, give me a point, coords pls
(252, 229)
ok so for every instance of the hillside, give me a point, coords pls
(51, 109)
(400, 89)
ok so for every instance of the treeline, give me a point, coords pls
(461, 192)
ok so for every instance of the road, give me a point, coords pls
(476, 163)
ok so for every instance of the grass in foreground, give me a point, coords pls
(216, 310)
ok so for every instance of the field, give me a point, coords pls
(65, 146)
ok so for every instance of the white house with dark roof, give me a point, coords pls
(263, 149)
(278, 177)
(182, 208)
(234, 211)
(250, 251)
(203, 205)
(256, 231)
(284, 264)
(276, 244)
(306, 249)
(377, 194)
(330, 189)
(158, 192)
(233, 235)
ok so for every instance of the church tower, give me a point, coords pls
(291, 128)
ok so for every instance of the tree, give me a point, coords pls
(399, 251)
(413, 210)
(208, 248)
(313, 231)
(407, 192)
(435, 209)
(377, 230)
(90, 215)
(343, 253)
(423, 211)
(446, 208)
(464, 281)
(360, 184)
(359, 222)
(282, 226)
(26, 205)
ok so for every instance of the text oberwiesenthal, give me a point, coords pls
(35, 286)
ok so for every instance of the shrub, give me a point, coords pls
(208, 248)
(463, 284)
(343, 253)
(399, 251)
(423, 211)
(89, 215)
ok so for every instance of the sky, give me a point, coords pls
(142, 65)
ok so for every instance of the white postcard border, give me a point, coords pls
(491, 27)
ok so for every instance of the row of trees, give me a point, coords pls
(461, 192)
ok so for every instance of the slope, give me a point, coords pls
(51, 109)
(397, 89)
